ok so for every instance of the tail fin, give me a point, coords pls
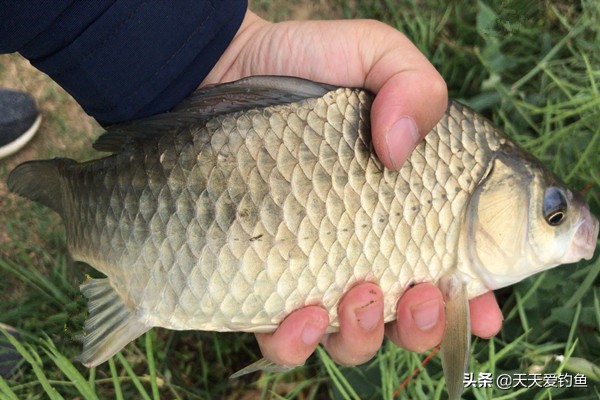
(40, 181)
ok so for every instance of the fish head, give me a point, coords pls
(522, 220)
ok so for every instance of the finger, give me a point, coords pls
(406, 108)
(421, 320)
(296, 337)
(361, 326)
(486, 316)
(411, 94)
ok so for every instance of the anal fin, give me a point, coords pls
(110, 325)
(456, 344)
(261, 365)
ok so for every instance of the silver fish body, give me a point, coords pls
(233, 225)
(231, 221)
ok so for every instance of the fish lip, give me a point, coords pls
(583, 244)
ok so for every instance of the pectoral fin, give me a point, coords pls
(456, 344)
(110, 325)
(261, 365)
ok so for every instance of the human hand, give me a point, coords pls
(411, 98)
(419, 325)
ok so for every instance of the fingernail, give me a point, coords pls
(368, 316)
(312, 332)
(427, 314)
(401, 139)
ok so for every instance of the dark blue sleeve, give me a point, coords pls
(122, 59)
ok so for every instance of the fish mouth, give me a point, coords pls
(583, 244)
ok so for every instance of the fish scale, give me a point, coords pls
(234, 229)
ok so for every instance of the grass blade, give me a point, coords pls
(573, 329)
(6, 391)
(151, 365)
(338, 379)
(584, 287)
(36, 365)
(115, 379)
(83, 386)
(33, 279)
(134, 377)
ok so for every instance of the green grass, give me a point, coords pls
(533, 68)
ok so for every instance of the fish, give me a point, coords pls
(254, 198)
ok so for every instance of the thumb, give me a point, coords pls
(411, 97)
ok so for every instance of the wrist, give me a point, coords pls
(228, 67)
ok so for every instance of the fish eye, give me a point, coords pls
(555, 206)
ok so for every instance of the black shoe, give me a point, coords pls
(19, 120)
(10, 358)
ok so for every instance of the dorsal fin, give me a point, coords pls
(210, 101)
